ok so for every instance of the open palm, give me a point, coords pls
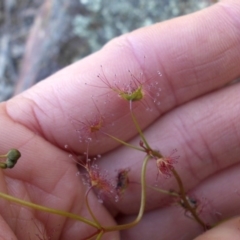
(198, 56)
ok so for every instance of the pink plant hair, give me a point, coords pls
(91, 128)
(99, 180)
(165, 164)
(148, 87)
(96, 178)
(138, 87)
(42, 233)
(92, 176)
(207, 209)
(43, 236)
(88, 128)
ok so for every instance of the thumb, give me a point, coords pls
(228, 230)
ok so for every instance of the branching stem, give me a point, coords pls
(185, 201)
(143, 202)
(124, 143)
(139, 130)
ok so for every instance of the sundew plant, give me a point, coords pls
(140, 91)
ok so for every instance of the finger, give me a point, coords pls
(206, 134)
(196, 54)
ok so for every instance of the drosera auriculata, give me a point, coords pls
(133, 89)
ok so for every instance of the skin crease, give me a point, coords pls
(198, 56)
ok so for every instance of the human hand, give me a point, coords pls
(198, 55)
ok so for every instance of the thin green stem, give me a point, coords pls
(100, 235)
(142, 205)
(124, 143)
(46, 209)
(139, 130)
(173, 194)
(3, 165)
(166, 192)
(92, 236)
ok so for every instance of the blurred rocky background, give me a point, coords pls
(39, 37)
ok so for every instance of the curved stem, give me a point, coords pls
(143, 202)
(90, 210)
(46, 209)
